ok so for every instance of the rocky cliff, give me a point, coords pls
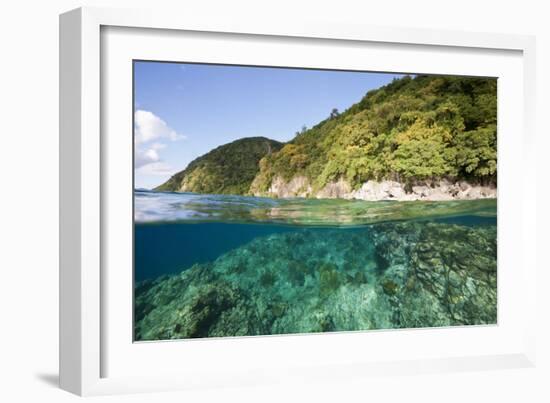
(439, 190)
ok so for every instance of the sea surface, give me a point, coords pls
(219, 265)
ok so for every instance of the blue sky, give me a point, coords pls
(184, 110)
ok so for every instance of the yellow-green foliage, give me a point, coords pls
(227, 169)
(418, 128)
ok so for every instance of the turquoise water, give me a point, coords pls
(170, 248)
(185, 208)
(215, 265)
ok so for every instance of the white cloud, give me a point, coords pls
(156, 168)
(149, 127)
(158, 146)
(149, 130)
(144, 157)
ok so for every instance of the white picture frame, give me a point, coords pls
(90, 343)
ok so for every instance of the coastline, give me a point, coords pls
(441, 190)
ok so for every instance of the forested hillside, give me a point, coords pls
(414, 129)
(228, 169)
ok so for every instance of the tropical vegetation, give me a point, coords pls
(421, 128)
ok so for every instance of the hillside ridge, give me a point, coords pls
(407, 137)
(226, 169)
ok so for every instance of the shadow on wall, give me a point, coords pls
(49, 379)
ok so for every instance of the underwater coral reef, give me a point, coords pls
(382, 276)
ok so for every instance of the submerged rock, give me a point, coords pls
(442, 274)
(384, 276)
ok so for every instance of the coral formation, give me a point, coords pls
(393, 275)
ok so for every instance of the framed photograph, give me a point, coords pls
(252, 202)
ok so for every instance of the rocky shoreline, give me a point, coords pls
(441, 190)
